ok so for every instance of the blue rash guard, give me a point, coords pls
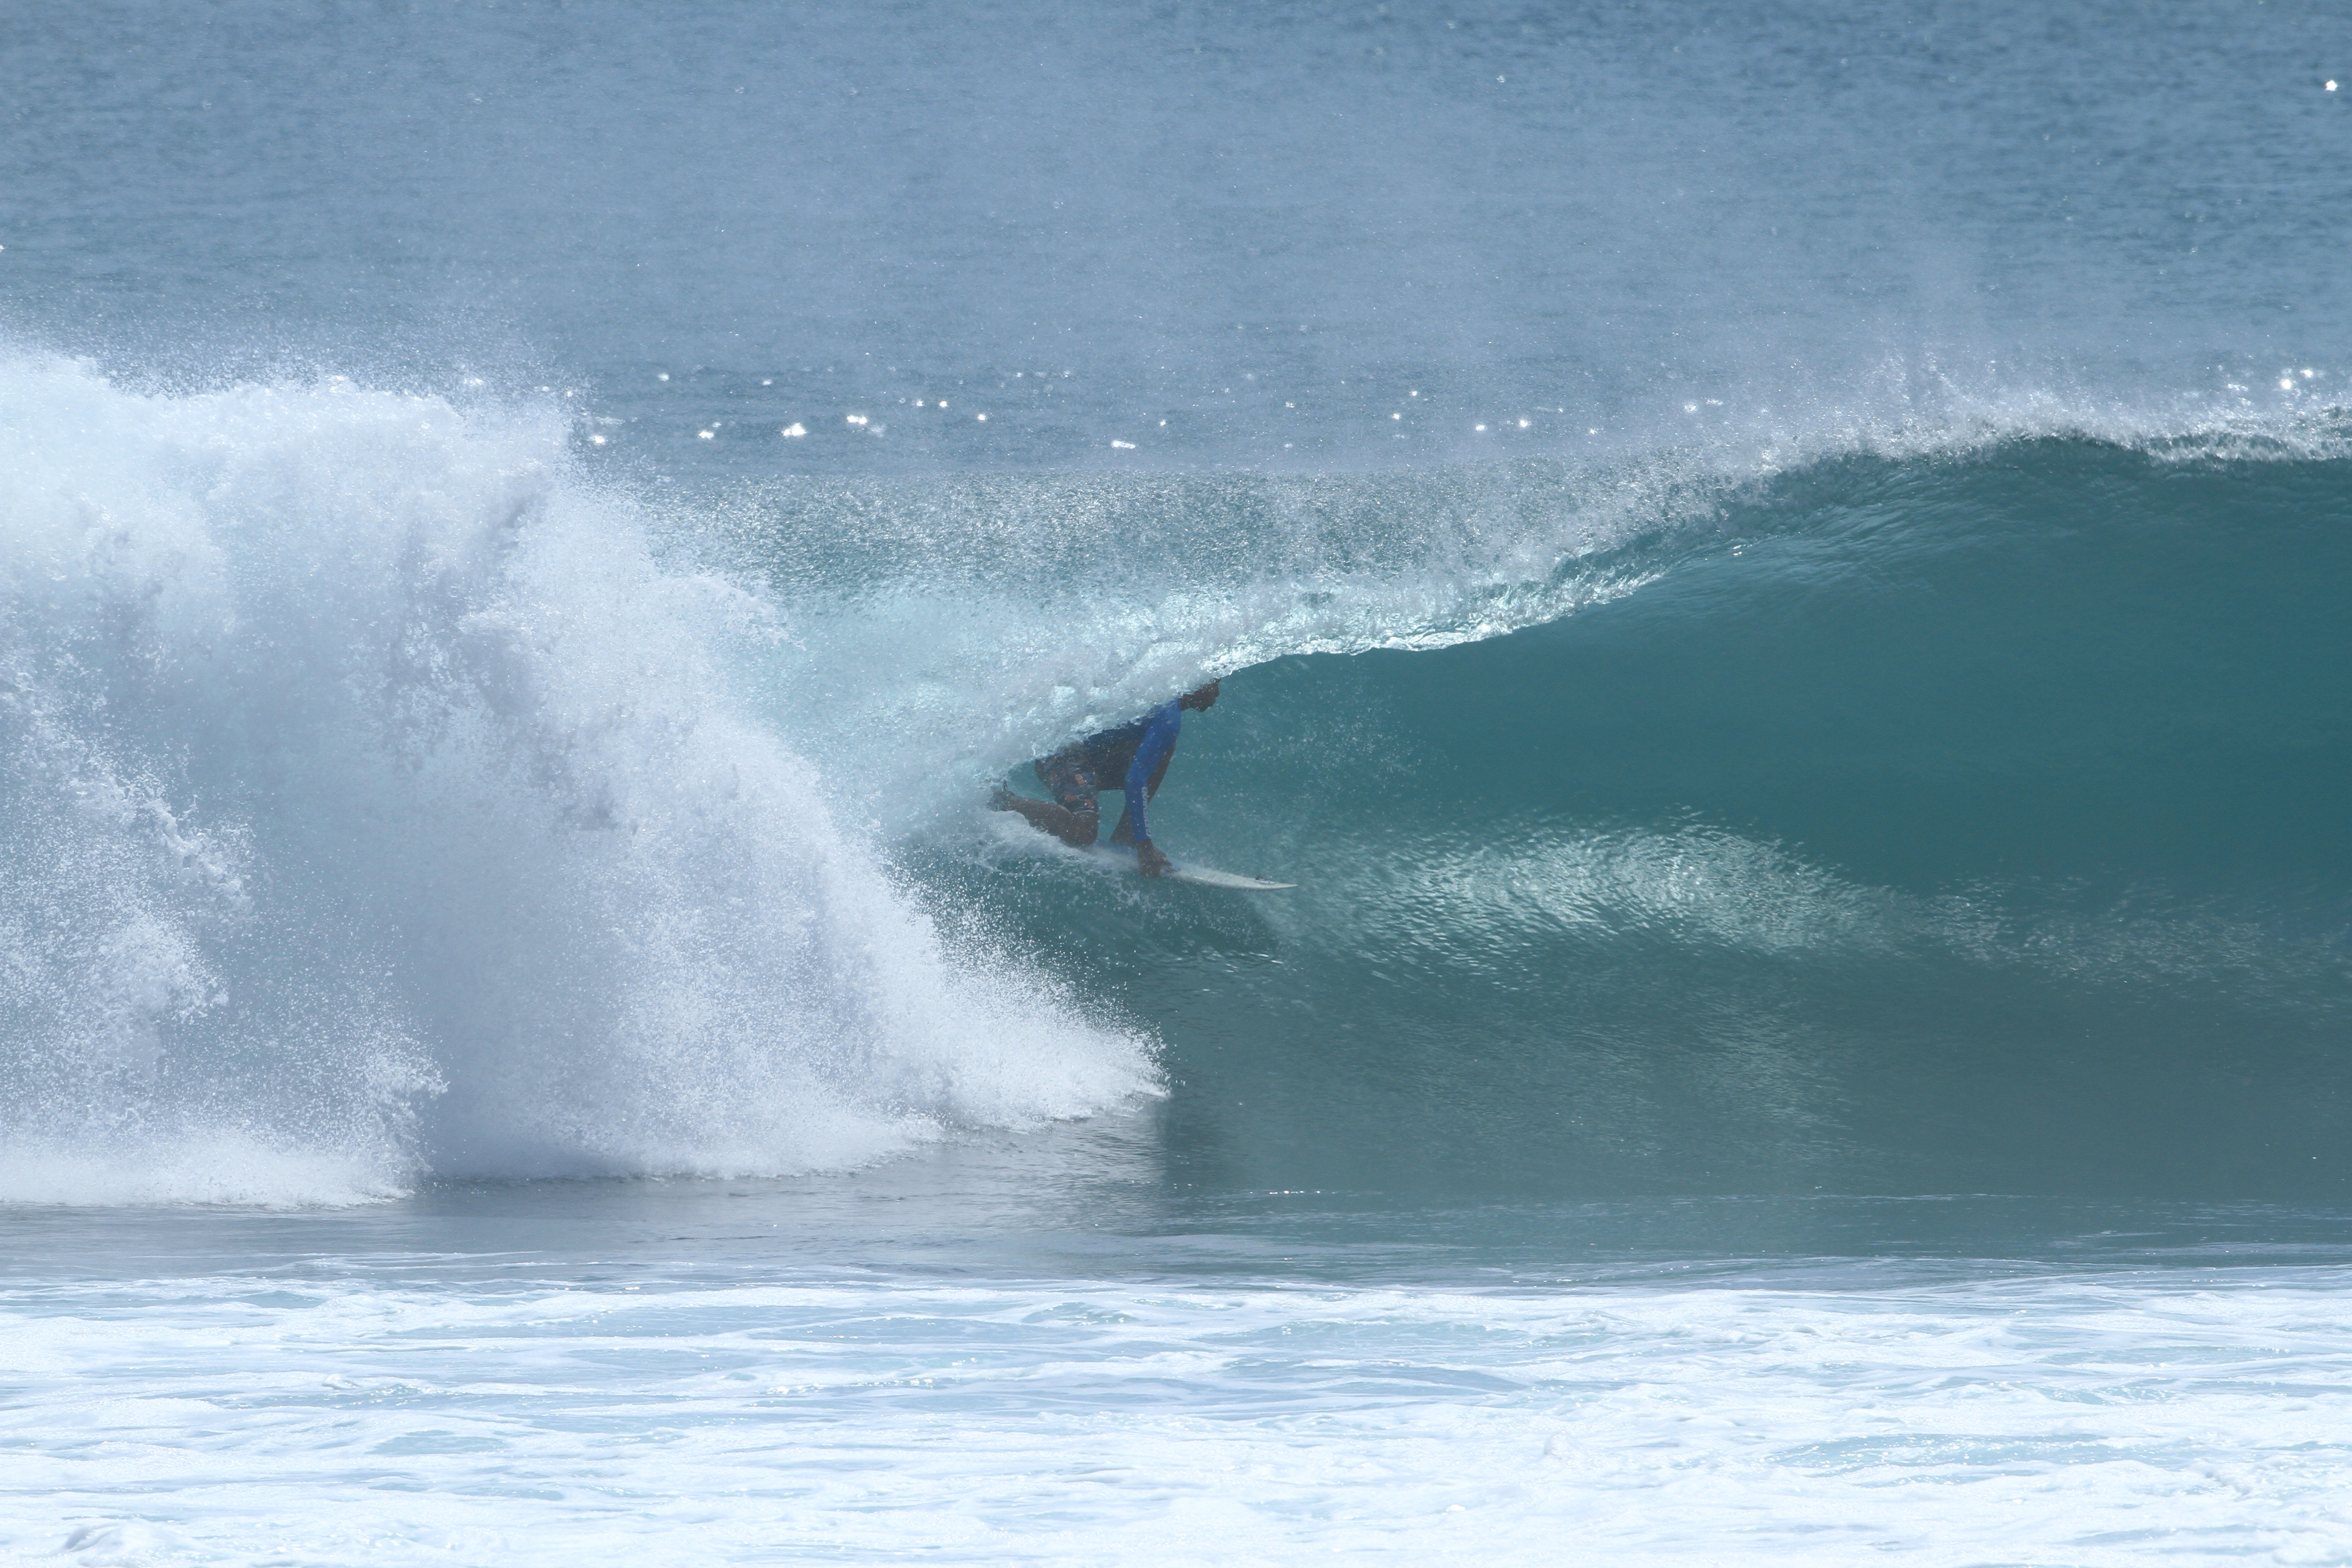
(1131, 753)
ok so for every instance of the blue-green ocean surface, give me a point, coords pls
(1776, 573)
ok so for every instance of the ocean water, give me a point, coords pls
(1777, 570)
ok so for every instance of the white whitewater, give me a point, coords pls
(378, 806)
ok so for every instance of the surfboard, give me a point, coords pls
(1199, 876)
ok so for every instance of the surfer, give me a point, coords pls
(1133, 757)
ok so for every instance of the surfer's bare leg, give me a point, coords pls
(1075, 828)
(1072, 815)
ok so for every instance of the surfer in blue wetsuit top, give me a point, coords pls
(1133, 757)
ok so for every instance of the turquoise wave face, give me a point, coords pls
(1962, 824)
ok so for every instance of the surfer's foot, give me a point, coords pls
(999, 799)
(1150, 860)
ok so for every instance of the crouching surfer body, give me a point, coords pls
(1132, 758)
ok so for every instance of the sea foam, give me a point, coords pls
(378, 801)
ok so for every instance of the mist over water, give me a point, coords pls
(1777, 577)
(1264, 228)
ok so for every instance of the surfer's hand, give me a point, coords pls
(1150, 860)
